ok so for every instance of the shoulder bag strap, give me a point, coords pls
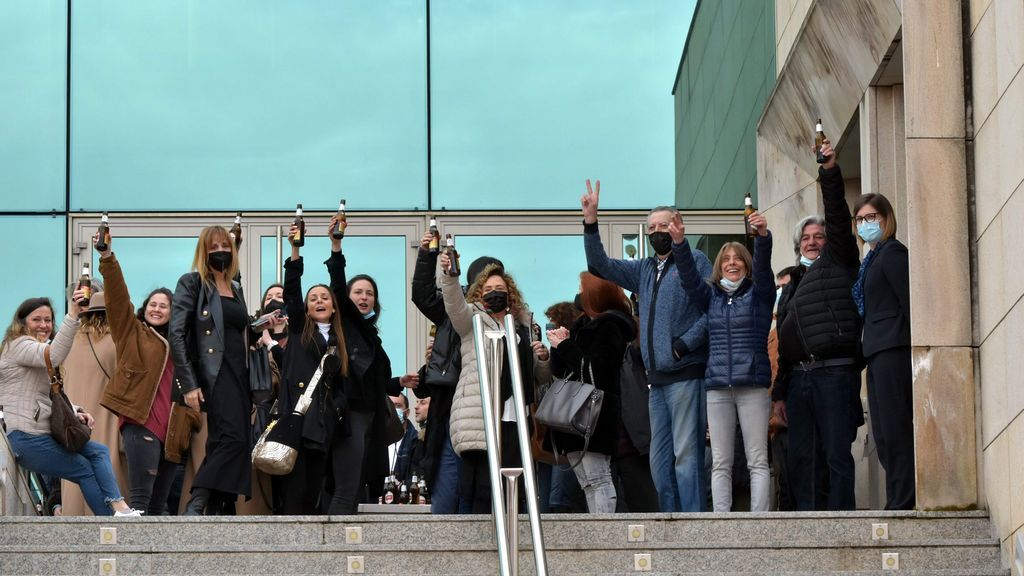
(96, 356)
(307, 397)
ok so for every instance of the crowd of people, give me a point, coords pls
(764, 369)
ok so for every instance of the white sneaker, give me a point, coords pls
(129, 513)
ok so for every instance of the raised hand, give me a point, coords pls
(425, 241)
(828, 152)
(446, 262)
(676, 229)
(589, 201)
(759, 223)
(335, 242)
(96, 239)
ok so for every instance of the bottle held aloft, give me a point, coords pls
(748, 209)
(435, 238)
(103, 234)
(299, 239)
(819, 141)
(342, 222)
(453, 256)
(85, 285)
(236, 231)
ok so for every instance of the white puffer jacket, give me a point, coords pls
(467, 419)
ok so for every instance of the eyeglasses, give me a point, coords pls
(869, 218)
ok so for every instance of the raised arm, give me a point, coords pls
(292, 292)
(27, 351)
(839, 237)
(625, 273)
(425, 295)
(764, 280)
(120, 312)
(460, 312)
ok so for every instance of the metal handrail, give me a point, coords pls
(506, 517)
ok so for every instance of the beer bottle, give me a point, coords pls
(453, 255)
(435, 238)
(424, 494)
(103, 243)
(236, 231)
(819, 141)
(389, 492)
(299, 240)
(748, 209)
(403, 496)
(414, 490)
(339, 229)
(85, 283)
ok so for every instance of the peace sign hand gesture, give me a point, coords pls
(589, 202)
(676, 229)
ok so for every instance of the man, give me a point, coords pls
(419, 460)
(777, 433)
(817, 387)
(401, 452)
(673, 343)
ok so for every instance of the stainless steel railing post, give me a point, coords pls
(512, 516)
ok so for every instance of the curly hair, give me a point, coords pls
(516, 305)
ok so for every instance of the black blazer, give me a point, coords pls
(887, 299)
(195, 332)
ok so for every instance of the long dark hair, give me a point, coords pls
(141, 312)
(309, 329)
(18, 327)
(376, 293)
(263, 306)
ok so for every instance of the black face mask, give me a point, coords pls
(496, 301)
(219, 261)
(661, 242)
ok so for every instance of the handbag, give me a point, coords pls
(181, 423)
(571, 407)
(259, 370)
(278, 447)
(393, 429)
(65, 427)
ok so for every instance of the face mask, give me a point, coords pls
(807, 261)
(729, 285)
(369, 315)
(496, 301)
(219, 261)
(778, 296)
(401, 414)
(661, 242)
(869, 232)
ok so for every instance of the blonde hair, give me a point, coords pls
(517, 307)
(94, 324)
(208, 236)
(741, 251)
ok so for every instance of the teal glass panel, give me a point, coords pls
(382, 257)
(546, 268)
(148, 263)
(530, 98)
(248, 104)
(33, 56)
(38, 261)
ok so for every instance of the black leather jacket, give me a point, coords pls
(195, 334)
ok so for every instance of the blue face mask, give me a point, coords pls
(870, 232)
(401, 414)
(807, 261)
(729, 285)
(778, 296)
(369, 315)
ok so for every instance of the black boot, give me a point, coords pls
(197, 505)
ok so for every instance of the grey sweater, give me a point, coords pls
(24, 382)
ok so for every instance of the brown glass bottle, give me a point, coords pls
(299, 240)
(103, 234)
(435, 238)
(748, 209)
(453, 255)
(236, 230)
(819, 141)
(85, 284)
(414, 490)
(339, 229)
(390, 492)
(403, 494)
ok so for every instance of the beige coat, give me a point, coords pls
(84, 382)
(24, 382)
(467, 419)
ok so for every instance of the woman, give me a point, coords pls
(314, 323)
(87, 369)
(882, 295)
(738, 301)
(593, 352)
(493, 295)
(24, 395)
(362, 290)
(208, 333)
(142, 387)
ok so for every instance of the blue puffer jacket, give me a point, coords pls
(673, 331)
(738, 323)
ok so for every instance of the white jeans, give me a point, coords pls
(595, 476)
(753, 406)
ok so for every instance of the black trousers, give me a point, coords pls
(891, 406)
(302, 487)
(634, 484)
(149, 475)
(347, 457)
(475, 479)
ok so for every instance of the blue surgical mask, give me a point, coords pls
(870, 232)
(369, 315)
(401, 414)
(778, 296)
(729, 286)
(807, 261)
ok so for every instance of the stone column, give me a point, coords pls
(940, 288)
(883, 159)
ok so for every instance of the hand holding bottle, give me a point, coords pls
(446, 262)
(291, 239)
(79, 302)
(829, 154)
(589, 201)
(335, 241)
(759, 223)
(96, 244)
(676, 229)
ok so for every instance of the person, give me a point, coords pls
(493, 295)
(738, 300)
(314, 322)
(87, 370)
(673, 341)
(208, 333)
(818, 386)
(443, 369)
(778, 435)
(401, 451)
(356, 453)
(142, 387)
(882, 295)
(563, 314)
(25, 398)
(419, 462)
(593, 351)
(362, 290)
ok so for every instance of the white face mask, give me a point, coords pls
(728, 285)
(778, 296)
(401, 414)
(807, 261)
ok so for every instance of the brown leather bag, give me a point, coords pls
(65, 427)
(182, 422)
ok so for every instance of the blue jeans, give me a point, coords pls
(678, 427)
(822, 408)
(90, 468)
(444, 494)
